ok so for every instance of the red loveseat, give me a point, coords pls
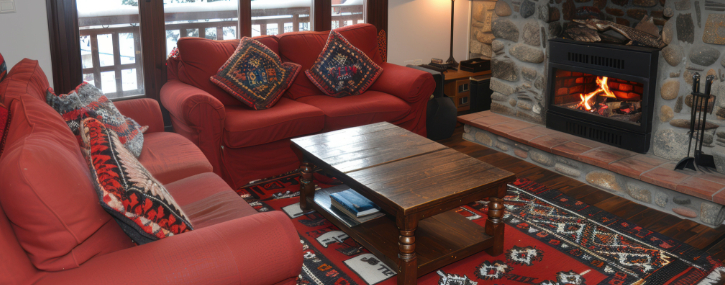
(54, 231)
(243, 144)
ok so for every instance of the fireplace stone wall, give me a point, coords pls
(693, 29)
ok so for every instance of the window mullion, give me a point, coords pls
(153, 37)
(321, 11)
(245, 18)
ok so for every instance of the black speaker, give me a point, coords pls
(441, 118)
(480, 93)
(441, 113)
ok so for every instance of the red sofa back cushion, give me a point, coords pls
(28, 78)
(45, 186)
(199, 59)
(304, 48)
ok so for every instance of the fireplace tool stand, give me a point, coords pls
(698, 119)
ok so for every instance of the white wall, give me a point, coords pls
(24, 34)
(421, 29)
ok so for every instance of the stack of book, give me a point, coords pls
(355, 206)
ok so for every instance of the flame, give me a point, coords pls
(603, 87)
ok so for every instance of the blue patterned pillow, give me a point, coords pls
(342, 69)
(255, 75)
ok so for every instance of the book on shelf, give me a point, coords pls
(322, 199)
(353, 205)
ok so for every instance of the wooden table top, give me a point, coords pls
(397, 169)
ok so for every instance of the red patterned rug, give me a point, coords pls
(551, 239)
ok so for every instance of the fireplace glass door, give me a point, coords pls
(603, 96)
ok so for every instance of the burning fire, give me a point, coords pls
(603, 87)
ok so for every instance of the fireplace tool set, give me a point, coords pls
(698, 120)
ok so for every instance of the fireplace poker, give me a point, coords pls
(701, 158)
(698, 117)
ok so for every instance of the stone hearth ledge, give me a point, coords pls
(642, 178)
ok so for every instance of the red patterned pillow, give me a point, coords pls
(87, 101)
(255, 75)
(342, 69)
(3, 68)
(138, 202)
(4, 125)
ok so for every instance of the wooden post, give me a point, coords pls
(307, 187)
(495, 225)
(408, 264)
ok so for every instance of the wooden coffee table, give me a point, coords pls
(417, 183)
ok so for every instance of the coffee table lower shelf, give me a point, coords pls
(439, 240)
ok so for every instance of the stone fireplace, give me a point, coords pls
(693, 29)
(531, 90)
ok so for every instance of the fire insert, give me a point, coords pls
(602, 92)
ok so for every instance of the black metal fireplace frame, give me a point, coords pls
(631, 63)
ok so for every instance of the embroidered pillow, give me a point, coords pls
(255, 75)
(3, 68)
(138, 202)
(4, 124)
(87, 101)
(342, 69)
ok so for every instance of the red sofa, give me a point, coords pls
(54, 231)
(243, 144)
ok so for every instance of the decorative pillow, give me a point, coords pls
(174, 53)
(87, 101)
(342, 69)
(140, 204)
(4, 124)
(3, 68)
(255, 75)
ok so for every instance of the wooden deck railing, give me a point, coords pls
(183, 23)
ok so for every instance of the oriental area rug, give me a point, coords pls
(551, 239)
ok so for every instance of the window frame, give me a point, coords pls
(63, 30)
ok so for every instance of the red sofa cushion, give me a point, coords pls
(140, 204)
(305, 47)
(367, 108)
(4, 123)
(47, 193)
(199, 59)
(200, 193)
(26, 77)
(170, 157)
(246, 127)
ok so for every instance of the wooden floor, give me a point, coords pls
(692, 233)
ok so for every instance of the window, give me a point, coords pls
(272, 17)
(110, 46)
(216, 20)
(347, 12)
(121, 46)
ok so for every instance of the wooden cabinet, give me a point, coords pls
(460, 91)
(458, 87)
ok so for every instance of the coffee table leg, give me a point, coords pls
(408, 267)
(307, 187)
(495, 225)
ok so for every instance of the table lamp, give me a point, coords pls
(451, 62)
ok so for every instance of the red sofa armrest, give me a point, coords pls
(262, 248)
(409, 84)
(198, 116)
(145, 111)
